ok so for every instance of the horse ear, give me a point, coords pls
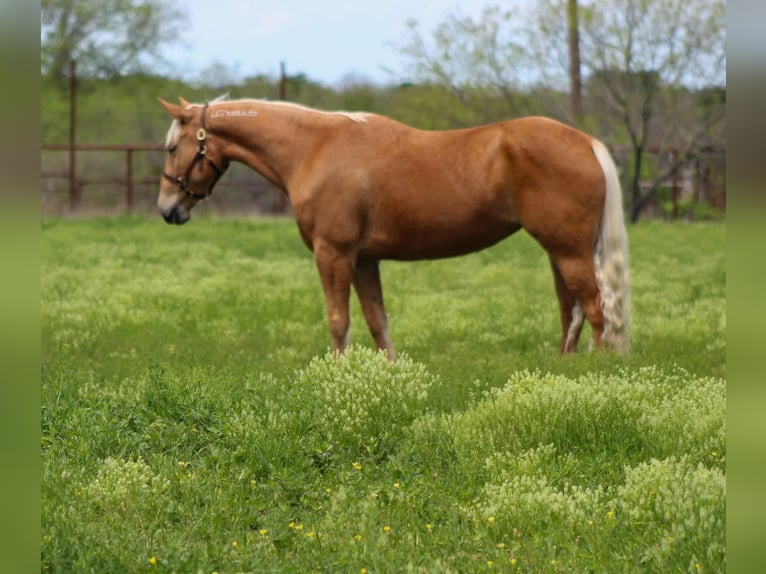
(184, 103)
(177, 112)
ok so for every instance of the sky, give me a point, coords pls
(327, 40)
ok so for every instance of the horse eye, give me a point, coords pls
(172, 150)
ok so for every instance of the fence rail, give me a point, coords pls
(276, 203)
(76, 184)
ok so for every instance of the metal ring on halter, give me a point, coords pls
(201, 134)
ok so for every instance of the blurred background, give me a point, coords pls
(646, 77)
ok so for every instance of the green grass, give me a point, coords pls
(192, 420)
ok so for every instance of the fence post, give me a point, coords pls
(674, 186)
(129, 179)
(72, 126)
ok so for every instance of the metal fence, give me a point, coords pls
(113, 179)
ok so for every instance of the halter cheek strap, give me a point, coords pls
(201, 155)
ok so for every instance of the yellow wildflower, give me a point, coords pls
(153, 560)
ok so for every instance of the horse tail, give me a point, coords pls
(611, 257)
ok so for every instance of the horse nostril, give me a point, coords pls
(176, 216)
(172, 216)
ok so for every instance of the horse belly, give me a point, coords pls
(412, 237)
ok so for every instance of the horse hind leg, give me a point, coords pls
(578, 276)
(572, 317)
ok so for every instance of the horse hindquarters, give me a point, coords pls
(572, 206)
(594, 281)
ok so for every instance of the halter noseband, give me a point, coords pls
(201, 154)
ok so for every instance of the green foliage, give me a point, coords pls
(107, 37)
(361, 401)
(192, 419)
(679, 507)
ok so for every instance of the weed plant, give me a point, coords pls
(193, 419)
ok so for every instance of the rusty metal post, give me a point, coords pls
(674, 186)
(129, 179)
(282, 82)
(72, 134)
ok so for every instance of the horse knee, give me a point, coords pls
(339, 325)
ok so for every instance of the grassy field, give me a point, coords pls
(192, 420)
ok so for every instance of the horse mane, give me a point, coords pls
(173, 132)
(358, 117)
(171, 138)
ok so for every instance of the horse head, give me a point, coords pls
(190, 171)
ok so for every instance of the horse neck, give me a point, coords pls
(271, 138)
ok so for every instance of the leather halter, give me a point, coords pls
(181, 182)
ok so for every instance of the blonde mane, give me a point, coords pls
(358, 117)
(173, 134)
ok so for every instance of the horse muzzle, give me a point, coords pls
(176, 216)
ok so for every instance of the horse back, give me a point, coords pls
(392, 191)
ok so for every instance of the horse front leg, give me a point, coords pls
(370, 292)
(335, 270)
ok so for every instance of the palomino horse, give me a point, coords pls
(364, 188)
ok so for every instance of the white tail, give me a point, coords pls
(611, 258)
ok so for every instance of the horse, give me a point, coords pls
(366, 188)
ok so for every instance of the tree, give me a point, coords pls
(478, 59)
(106, 37)
(644, 57)
(575, 81)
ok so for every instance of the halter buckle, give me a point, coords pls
(201, 134)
